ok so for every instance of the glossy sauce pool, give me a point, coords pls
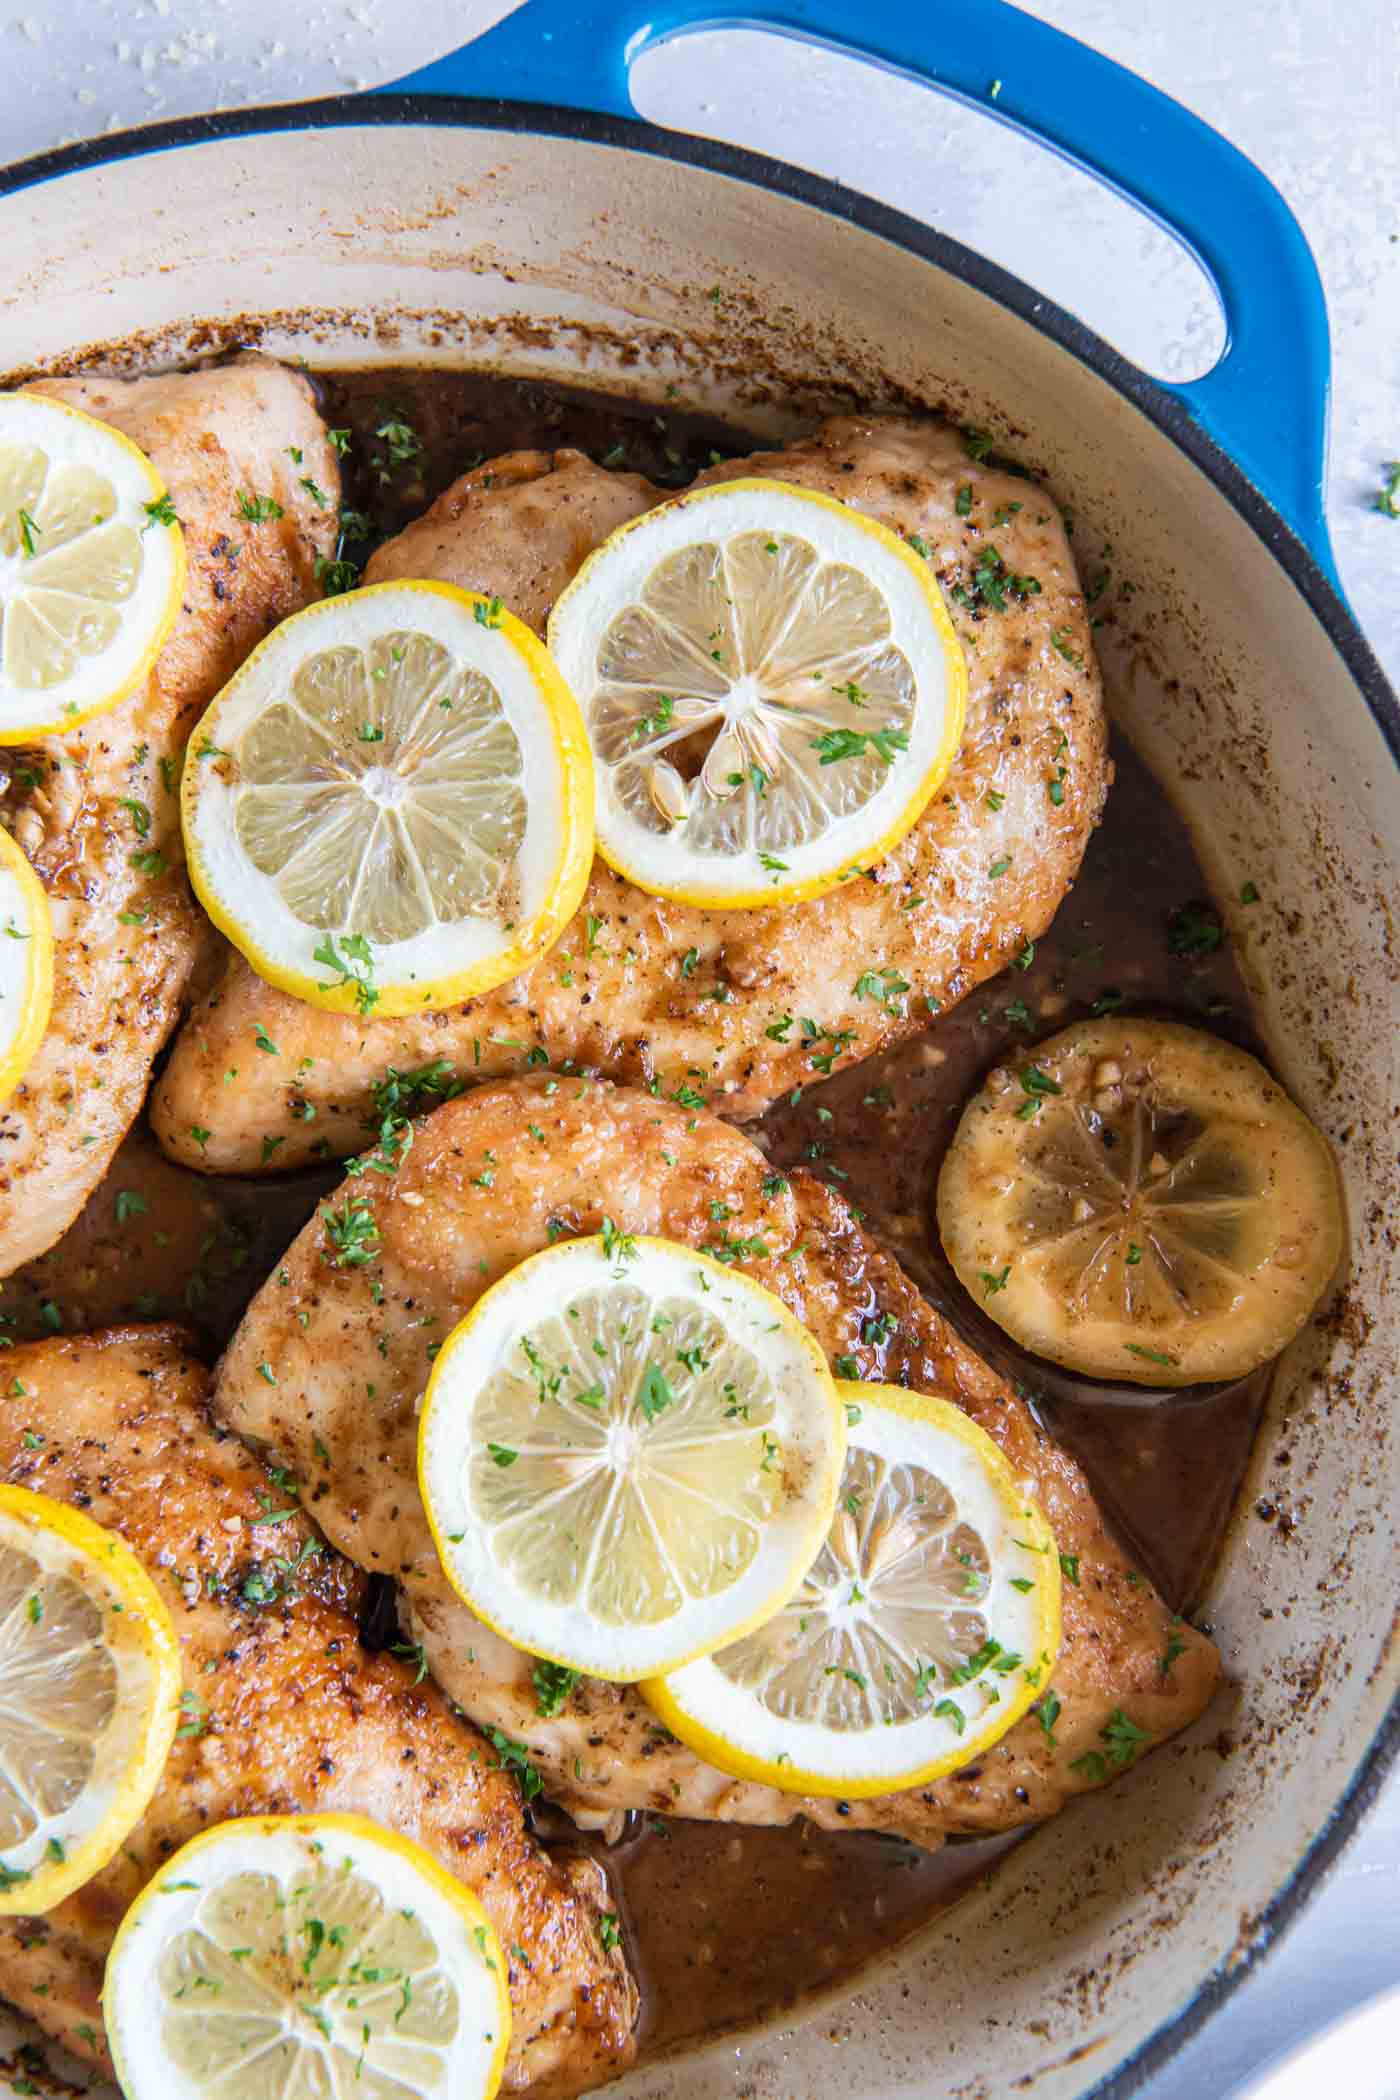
(727, 1924)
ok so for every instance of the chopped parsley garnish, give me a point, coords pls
(654, 1394)
(885, 986)
(992, 582)
(259, 510)
(1386, 502)
(196, 1713)
(618, 1246)
(353, 965)
(992, 1282)
(352, 1233)
(515, 1757)
(730, 1250)
(335, 574)
(1124, 1738)
(1194, 929)
(161, 511)
(1069, 1568)
(400, 437)
(1035, 1085)
(487, 612)
(554, 1685)
(837, 744)
(658, 720)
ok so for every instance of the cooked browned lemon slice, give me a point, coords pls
(306, 1958)
(389, 807)
(92, 564)
(773, 689)
(89, 1697)
(927, 1624)
(1138, 1200)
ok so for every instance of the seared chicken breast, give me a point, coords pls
(98, 811)
(284, 1711)
(328, 1367)
(729, 1008)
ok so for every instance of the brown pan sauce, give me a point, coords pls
(727, 1924)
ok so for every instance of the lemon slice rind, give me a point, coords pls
(80, 455)
(914, 1731)
(750, 1473)
(451, 958)
(768, 869)
(394, 1965)
(139, 1682)
(26, 964)
(1145, 1202)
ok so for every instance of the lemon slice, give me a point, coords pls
(92, 565)
(285, 1957)
(629, 1454)
(388, 808)
(26, 964)
(89, 1698)
(1141, 1201)
(926, 1626)
(773, 689)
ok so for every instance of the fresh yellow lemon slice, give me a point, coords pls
(926, 1626)
(773, 688)
(89, 1698)
(389, 806)
(26, 964)
(287, 1956)
(1140, 1201)
(629, 1454)
(92, 565)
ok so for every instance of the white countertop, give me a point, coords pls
(1308, 88)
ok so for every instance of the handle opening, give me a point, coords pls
(953, 165)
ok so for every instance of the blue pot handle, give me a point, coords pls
(1265, 402)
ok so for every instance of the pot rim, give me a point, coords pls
(1154, 400)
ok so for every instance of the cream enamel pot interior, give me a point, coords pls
(544, 239)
